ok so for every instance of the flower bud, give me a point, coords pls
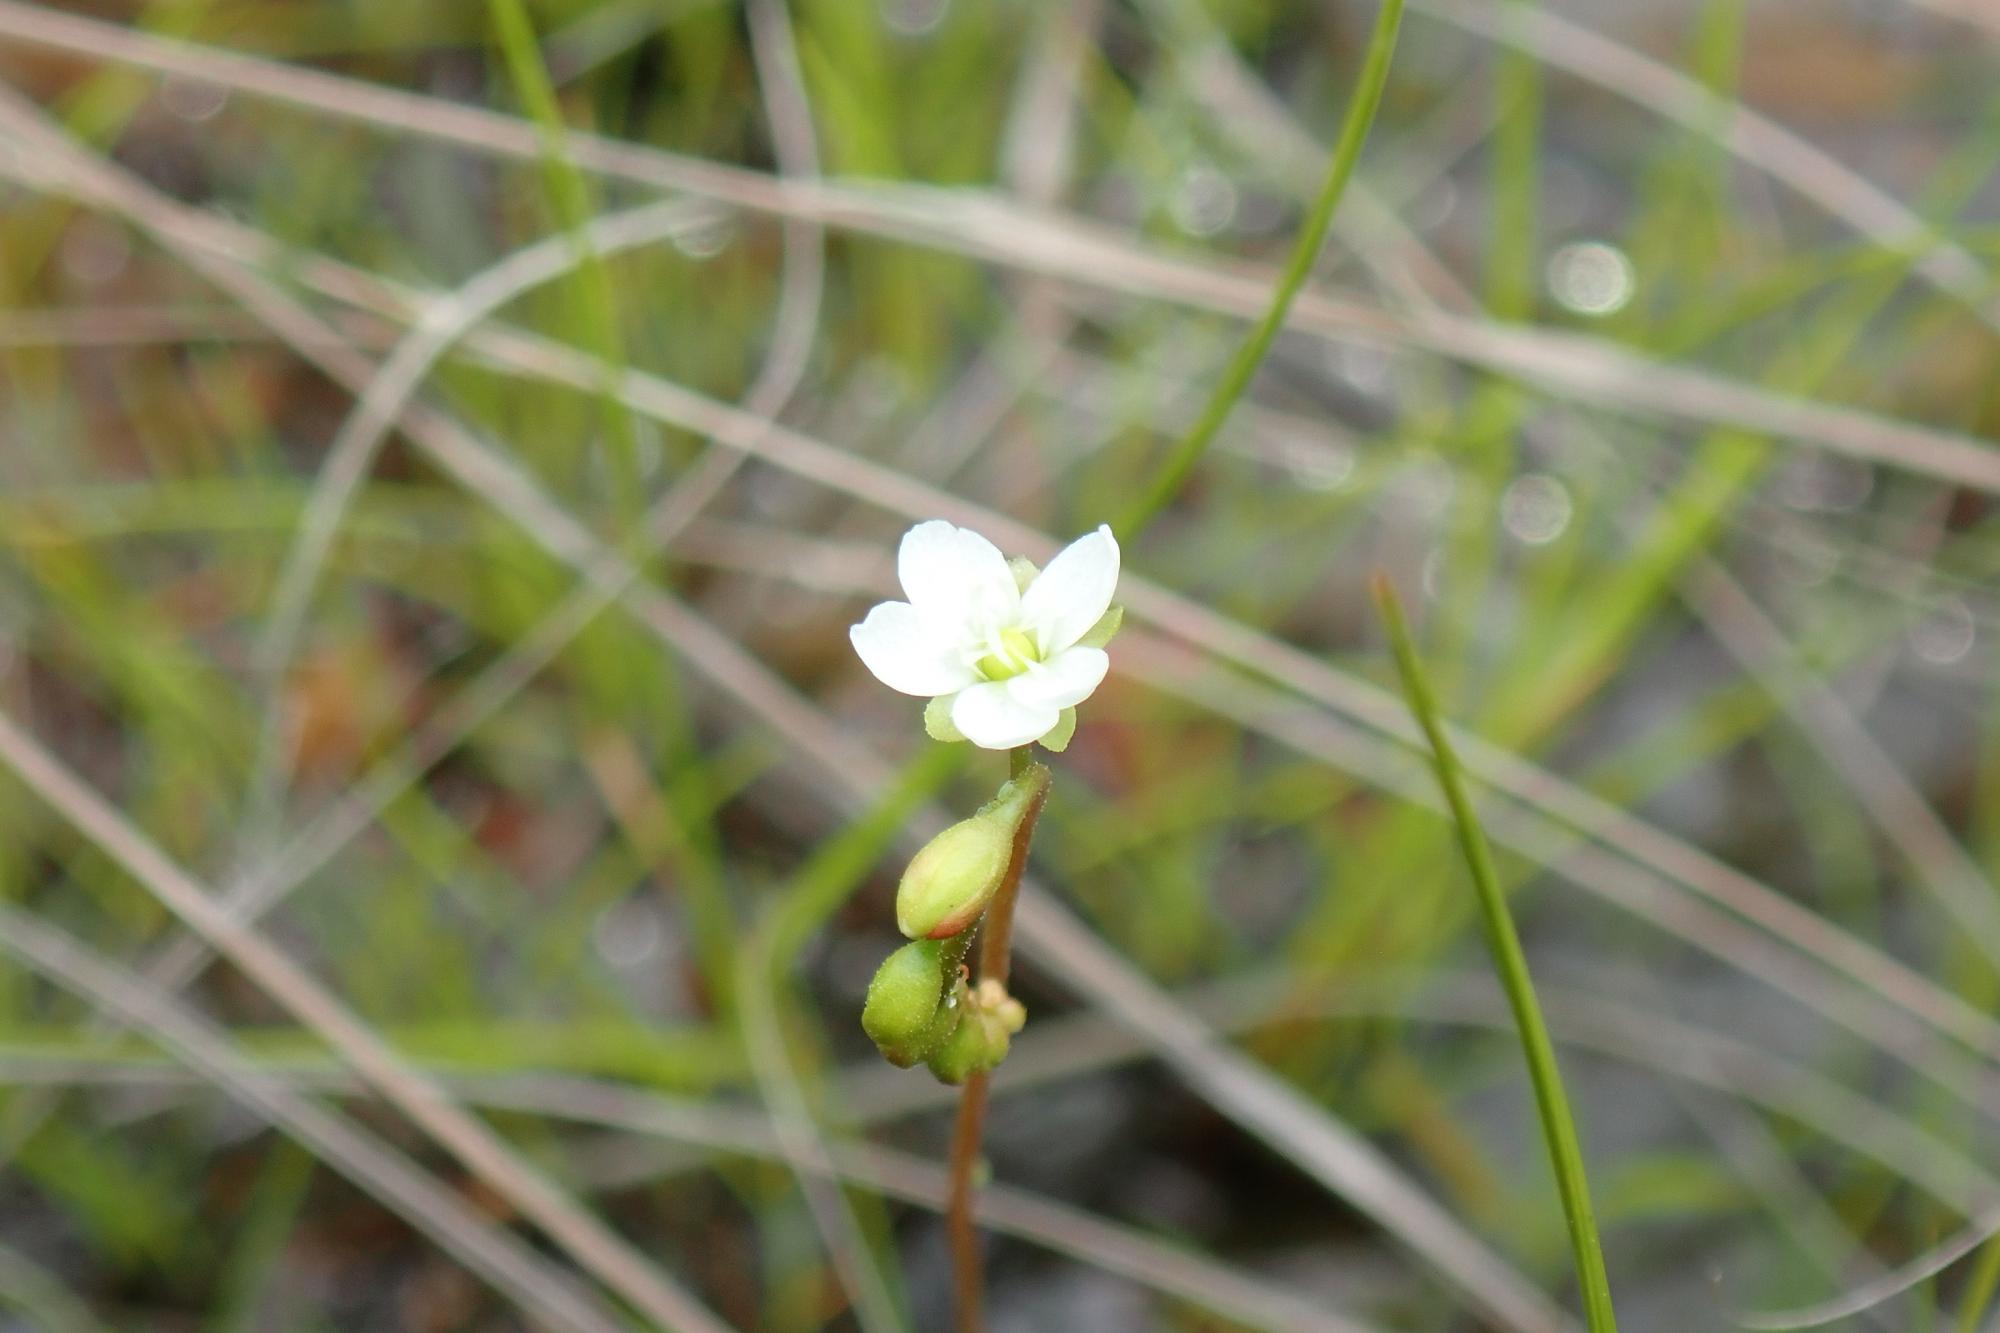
(988, 1020)
(992, 999)
(978, 1043)
(949, 882)
(905, 1014)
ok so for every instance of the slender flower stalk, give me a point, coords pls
(968, 1130)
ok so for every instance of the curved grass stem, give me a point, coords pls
(1552, 1104)
(1173, 473)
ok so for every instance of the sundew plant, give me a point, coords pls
(1106, 665)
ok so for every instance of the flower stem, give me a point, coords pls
(996, 942)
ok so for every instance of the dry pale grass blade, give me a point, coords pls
(1328, 1150)
(41, 1297)
(1116, 1249)
(1584, 369)
(1633, 885)
(1038, 150)
(263, 887)
(1597, 1023)
(1265, 130)
(1758, 1158)
(126, 326)
(1621, 833)
(1899, 811)
(1090, 1043)
(990, 227)
(1037, 162)
(1872, 1294)
(1248, 1093)
(627, 1271)
(706, 1129)
(588, 1240)
(1183, 1273)
(1978, 13)
(1343, 1161)
(355, 446)
(795, 145)
(1755, 140)
(794, 327)
(1573, 366)
(1791, 967)
(1307, 1135)
(796, 1132)
(1770, 958)
(774, 47)
(547, 1293)
(1618, 831)
(387, 393)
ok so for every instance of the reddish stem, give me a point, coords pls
(995, 959)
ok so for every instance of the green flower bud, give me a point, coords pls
(905, 1014)
(949, 882)
(977, 1043)
(987, 1020)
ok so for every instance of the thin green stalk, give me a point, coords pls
(1513, 247)
(570, 193)
(1979, 1288)
(1565, 1156)
(1173, 474)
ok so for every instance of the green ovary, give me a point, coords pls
(1014, 651)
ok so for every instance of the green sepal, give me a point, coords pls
(1059, 736)
(937, 720)
(905, 1014)
(1108, 624)
(1023, 570)
(977, 1043)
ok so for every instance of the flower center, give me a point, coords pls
(1010, 652)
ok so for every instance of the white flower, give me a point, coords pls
(1005, 656)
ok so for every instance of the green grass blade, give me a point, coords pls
(1565, 1156)
(1173, 473)
(1979, 1288)
(571, 196)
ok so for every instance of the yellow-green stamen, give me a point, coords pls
(1014, 651)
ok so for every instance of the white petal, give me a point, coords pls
(993, 718)
(1068, 597)
(955, 576)
(1064, 681)
(908, 652)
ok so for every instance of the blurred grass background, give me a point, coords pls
(442, 446)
